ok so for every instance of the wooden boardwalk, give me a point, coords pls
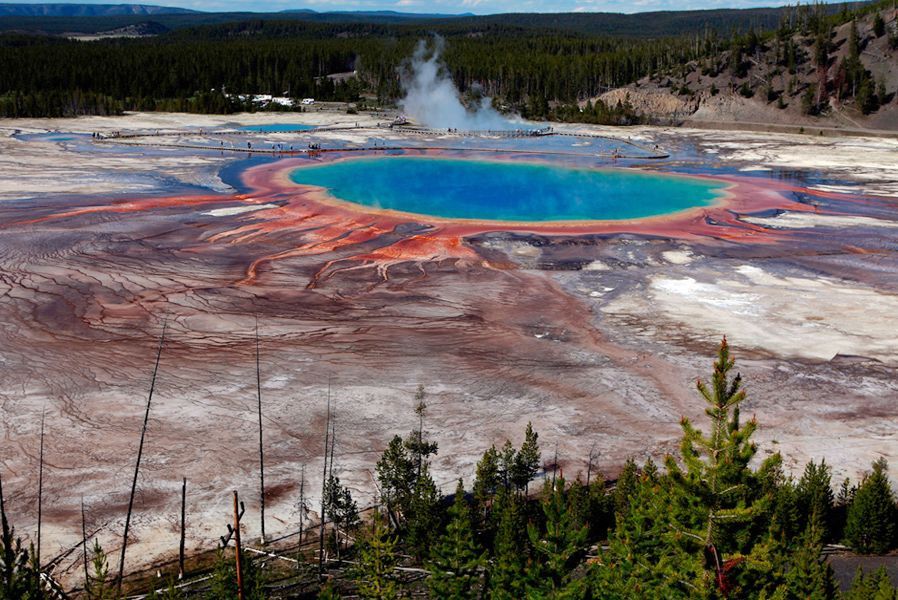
(131, 139)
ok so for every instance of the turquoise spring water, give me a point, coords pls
(277, 128)
(506, 191)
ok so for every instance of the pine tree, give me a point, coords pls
(456, 561)
(650, 470)
(396, 476)
(100, 587)
(224, 577)
(875, 586)
(639, 561)
(19, 577)
(486, 482)
(840, 508)
(423, 515)
(34, 588)
(625, 489)
(786, 518)
(600, 516)
(809, 576)
(419, 447)
(860, 588)
(557, 549)
(328, 592)
(854, 45)
(578, 502)
(506, 570)
(171, 592)
(374, 573)
(527, 460)
(879, 26)
(507, 460)
(884, 589)
(698, 530)
(407, 488)
(340, 507)
(821, 51)
(715, 497)
(870, 524)
(866, 98)
(814, 497)
(881, 94)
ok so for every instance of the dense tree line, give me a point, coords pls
(275, 58)
(713, 521)
(527, 68)
(644, 25)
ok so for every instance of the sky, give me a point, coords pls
(447, 6)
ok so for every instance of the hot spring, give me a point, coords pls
(277, 128)
(454, 188)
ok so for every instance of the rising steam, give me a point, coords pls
(432, 99)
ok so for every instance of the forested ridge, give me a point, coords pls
(525, 68)
(719, 518)
(651, 24)
(69, 9)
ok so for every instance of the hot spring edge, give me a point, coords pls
(492, 190)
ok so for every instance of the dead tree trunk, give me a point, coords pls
(183, 528)
(84, 551)
(261, 451)
(302, 513)
(554, 465)
(143, 433)
(237, 544)
(330, 474)
(40, 494)
(593, 453)
(327, 430)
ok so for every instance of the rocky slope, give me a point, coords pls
(774, 80)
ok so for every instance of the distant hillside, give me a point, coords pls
(138, 30)
(374, 13)
(639, 25)
(842, 73)
(649, 24)
(87, 10)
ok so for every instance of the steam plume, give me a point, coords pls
(432, 99)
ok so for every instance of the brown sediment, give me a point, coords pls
(125, 206)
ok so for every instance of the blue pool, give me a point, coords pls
(52, 136)
(506, 191)
(277, 128)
